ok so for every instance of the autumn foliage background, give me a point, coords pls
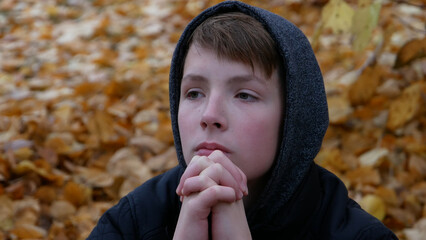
(84, 112)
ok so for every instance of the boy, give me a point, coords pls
(249, 112)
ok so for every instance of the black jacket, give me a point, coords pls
(319, 209)
(301, 200)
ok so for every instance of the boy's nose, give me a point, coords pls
(214, 115)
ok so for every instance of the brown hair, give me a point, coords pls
(239, 37)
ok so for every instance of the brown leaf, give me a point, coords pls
(6, 213)
(46, 194)
(61, 210)
(163, 161)
(26, 211)
(26, 231)
(405, 107)
(94, 177)
(76, 194)
(365, 86)
(101, 126)
(364, 175)
(331, 159)
(149, 143)
(339, 109)
(412, 50)
(388, 195)
(401, 217)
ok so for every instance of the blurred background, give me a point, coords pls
(84, 111)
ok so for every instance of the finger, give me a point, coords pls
(219, 157)
(215, 194)
(194, 168)
(197, 184)
(221, 176)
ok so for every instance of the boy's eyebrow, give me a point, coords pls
(232, 80)
(246, 78)
(194, 77)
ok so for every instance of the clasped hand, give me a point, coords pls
(214, 186)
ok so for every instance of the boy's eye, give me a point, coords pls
(246, 96)
(193, 95)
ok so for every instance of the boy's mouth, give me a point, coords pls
(206, 148)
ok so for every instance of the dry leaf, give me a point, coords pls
(374, 205)
(387, 195)
(412, 50)
(46, 194)
(150, 143)
(373, 157)
(76, 194)
(364, 175)
(26, 231)
(337, 15)
(405, 107)
(94, 177)
(163, 161)
(363, 23)
(101, 126)
(61, 210)
(339, 109)
(418, 232)
(6, 213)
(331, 159)
(365, 86)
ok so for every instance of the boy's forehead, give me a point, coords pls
(196, 50)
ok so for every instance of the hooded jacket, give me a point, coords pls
(301, 200)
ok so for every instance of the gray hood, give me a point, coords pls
(305, 113)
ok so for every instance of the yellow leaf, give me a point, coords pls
(374, 205)
(337, 15)
(364, 21)
(339, 109)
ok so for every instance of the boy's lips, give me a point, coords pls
(205, 148)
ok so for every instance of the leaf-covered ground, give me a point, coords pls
(84, 114)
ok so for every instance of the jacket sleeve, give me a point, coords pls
(376, 232)
(116, 223)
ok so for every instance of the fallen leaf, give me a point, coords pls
(76, 194)
(6, 213)
(337, 15)
(339, 109)
(405, 107)
(26, 231)
(364, 175)
(61, 210)
(364, 21)
(412, 50)
(417, 232)
(365, 86)
(374, 205)
(373, 157)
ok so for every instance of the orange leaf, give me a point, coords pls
(76, 194)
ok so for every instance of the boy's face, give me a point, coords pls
(226, 105)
